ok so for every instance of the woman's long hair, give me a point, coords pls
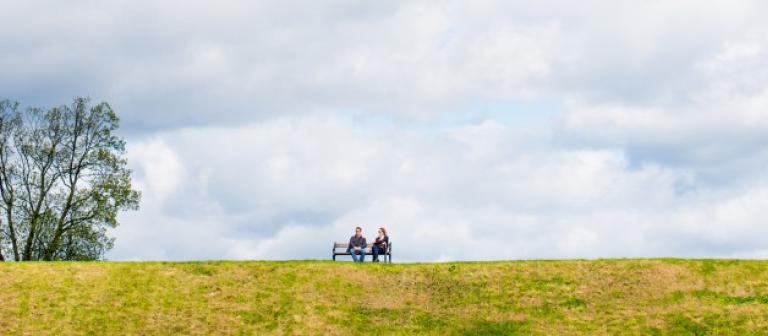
(384, 231)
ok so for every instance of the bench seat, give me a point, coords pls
(341, 249)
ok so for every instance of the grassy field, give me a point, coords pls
(602, 297)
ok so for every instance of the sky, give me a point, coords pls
(471, 130)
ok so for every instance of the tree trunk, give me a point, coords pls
(26, 255)
(54, 245)
(74, 176)
(37, 211)
(14, 243)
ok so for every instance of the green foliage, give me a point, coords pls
(63, 181)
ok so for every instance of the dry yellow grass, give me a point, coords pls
(600, 297)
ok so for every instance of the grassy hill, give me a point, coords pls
(643, 297)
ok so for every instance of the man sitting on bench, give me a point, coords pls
(357, 245)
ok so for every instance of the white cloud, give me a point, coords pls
(161, 168)
(288, 188)
(555, 129)
(193, 63)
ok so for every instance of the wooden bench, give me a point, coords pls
(341, 249)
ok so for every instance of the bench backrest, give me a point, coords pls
(342, 247)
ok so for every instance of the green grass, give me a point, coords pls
(599, 297)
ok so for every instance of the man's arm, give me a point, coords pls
(365, 244)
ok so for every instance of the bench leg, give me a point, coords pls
(334, 257)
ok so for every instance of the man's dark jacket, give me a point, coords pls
(354, 241)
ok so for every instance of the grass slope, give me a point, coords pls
(643, 297)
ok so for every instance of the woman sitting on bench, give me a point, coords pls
(380, 244)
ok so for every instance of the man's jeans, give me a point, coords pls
(357, 255)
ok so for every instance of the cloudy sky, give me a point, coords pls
(470, 129)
